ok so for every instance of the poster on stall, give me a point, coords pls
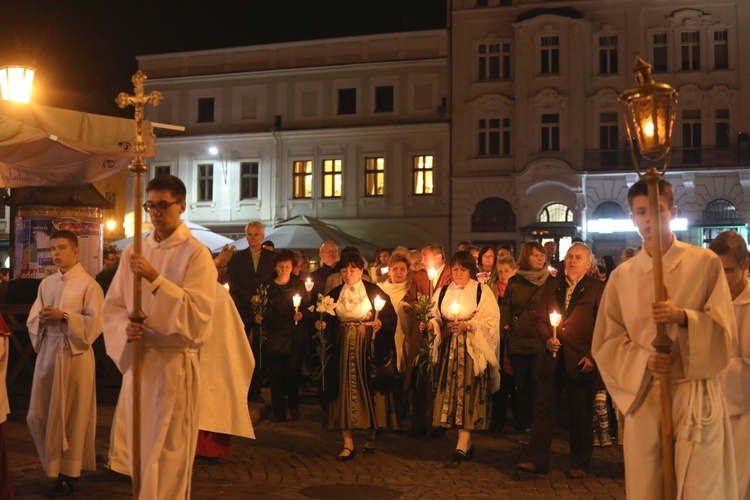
(35, 225)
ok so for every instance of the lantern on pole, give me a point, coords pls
(16, 83)
(649, 111)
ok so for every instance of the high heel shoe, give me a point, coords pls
(369, 450)
(461, 455)
(346, 458)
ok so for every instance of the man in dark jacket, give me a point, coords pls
(247, 270)
(567, 362)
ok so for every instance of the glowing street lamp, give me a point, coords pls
(16, 83)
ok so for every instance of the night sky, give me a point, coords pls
(84, 50)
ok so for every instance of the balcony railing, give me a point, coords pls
(684, 158)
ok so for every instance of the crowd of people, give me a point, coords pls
(417, 340)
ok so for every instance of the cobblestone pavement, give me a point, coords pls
(297, 460)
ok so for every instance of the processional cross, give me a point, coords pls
(138, 168)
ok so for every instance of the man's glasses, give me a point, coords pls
(160, 206)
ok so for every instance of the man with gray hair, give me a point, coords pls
(247, 270)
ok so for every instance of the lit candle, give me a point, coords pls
(455, 308)
(379, 304)
(226, 285)
(431, 274)
(309, 285)
(384, 270)
(554, 320)
(296, 300)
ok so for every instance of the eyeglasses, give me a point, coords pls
(160, 206)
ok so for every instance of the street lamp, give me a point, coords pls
(224, 167)
(649, 112)
(16, 83)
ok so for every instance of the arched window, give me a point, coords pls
(493, 215)
(556, 212)
(720, 210)
(609, 210)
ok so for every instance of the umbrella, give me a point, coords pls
(44, 146)
(303, 232)
(201, 233)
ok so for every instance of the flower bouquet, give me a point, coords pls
(260, 303)
(422, 311)
(325, 305)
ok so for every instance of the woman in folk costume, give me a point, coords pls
(355, 337)
(396, 286)
(466, 327)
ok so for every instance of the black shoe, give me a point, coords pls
(63, 487)
(369, 450)
(295, 414)
(461, 455)
(346, 458)
(200, 461)
(531, 467)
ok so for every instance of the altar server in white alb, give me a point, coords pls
(699, 319)
(732, 250)
(64, 322)
(178, 277)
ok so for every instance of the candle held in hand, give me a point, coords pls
(309, 285)
(296, 300)
(455, 309)
(554, 320)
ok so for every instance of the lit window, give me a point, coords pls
(423, 174)
(331, 178)
(205, 182)
(302, 179)
(249, 180)
(556, 212)
(374, 176)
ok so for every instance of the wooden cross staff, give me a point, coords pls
(138, 168)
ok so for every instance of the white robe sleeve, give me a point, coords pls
(84, 327)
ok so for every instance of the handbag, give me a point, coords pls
(383, 373)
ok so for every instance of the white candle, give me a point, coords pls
(296, 300)
(379, 304)
(554, 320)
(431, 274)
(309, 285)
(226, 285)
(384, 270)
(455, 308)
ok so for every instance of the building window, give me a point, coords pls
(690, 51)
(161, 170)
(608, 139)
(721, 50)
(206, 182)
(720, 210)
(302, 180)
(722, 128)
(550, 132)
(206, 110)
(494, 61)
(384, 99)
(691, 135)
(550, 55)
(493, 215)
(347, 102)
(482, 3)
(331, 178)
(607, 55)
(659, 60)
(374, 176)
(423, 174)
(556, 212)
(249, 180)
(494, 137)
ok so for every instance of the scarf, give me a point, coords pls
(536, 278)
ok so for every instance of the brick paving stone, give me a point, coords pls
(286, 458)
